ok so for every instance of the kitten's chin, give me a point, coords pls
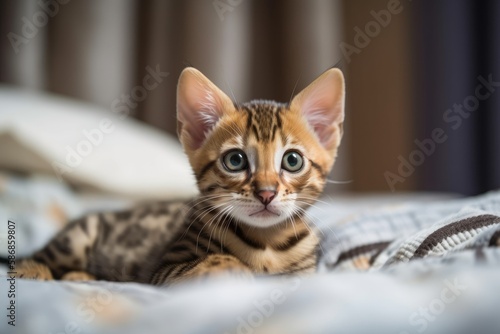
(261, 218)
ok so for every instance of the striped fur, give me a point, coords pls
(252, 220)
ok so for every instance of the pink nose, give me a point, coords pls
(266, 196)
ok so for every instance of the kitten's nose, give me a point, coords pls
(266, 196)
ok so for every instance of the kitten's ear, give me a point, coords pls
(322, 104)
(200, 105)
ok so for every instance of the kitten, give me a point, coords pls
(259, 166)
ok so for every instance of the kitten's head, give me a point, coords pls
(260, 162)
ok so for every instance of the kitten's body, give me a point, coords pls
(258, 165)
(142, 244)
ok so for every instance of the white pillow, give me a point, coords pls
(88, 145)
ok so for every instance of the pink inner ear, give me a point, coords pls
(322, 112)
(196, 130)
(323, 128)
(324, 133)
(322, 104)
(198, 120)
(200, 105)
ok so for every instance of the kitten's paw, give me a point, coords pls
(239, 274)
(78, 276)
(219, 266)
(30, 269)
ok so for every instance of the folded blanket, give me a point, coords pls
(410, 268)
(401, 234)
(460, 298)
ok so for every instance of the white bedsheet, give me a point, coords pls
(459, 295)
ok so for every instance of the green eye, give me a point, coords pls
(235, 161)
(292, 161)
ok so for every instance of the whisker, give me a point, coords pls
(338, 182)
(214, 220)
(204, 212)
(310, 204)
(225, 227)
(205, 225)
(310, 229)
(294, 88)
(230, 89)
(341, 243)
(313, 199)
(209, 207)
(211, 197)
(294, 229)
(224, 236)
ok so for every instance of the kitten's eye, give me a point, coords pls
(292, 161)
(235, 161)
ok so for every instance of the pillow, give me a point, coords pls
(89, 146)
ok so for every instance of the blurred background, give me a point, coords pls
(87, 123)
(409, 66)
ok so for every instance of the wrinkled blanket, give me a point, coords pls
(377, 240)
(403, 268)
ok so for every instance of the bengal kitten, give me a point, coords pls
(259, 166)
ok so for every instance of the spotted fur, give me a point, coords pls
(246, 221)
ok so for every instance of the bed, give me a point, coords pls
(400, 263)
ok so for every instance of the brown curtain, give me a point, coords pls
(381, 93)
(97, 51)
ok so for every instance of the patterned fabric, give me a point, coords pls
(387, 301)
(378, 240)
(41, 206)
(379, 270)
